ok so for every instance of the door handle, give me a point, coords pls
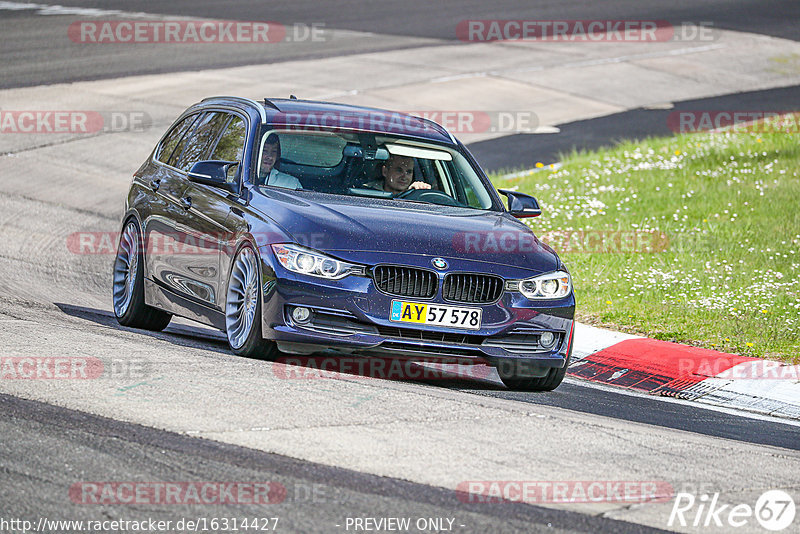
(155, 184)
(186, 202)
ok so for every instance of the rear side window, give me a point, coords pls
(205, 133)
(172, 146)
(231, 145)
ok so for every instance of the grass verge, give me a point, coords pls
(693, 239)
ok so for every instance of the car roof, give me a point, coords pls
(324, 115)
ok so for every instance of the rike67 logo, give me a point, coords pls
(774, 510)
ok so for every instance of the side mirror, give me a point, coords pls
(213, 173)
(521, 205)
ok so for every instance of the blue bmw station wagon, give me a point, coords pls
(298, 227)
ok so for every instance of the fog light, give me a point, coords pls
(301, 315)
(547, 339)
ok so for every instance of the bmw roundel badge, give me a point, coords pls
(439, 263)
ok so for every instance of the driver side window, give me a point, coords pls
(231, 146)
(205, 133)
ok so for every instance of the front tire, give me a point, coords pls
(243, 308)
(128, 289)
(549, 382)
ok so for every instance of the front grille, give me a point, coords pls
(426, 335)
(474, 288)
(405, 281)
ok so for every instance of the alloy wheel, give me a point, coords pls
(242, 298)
(125, 266)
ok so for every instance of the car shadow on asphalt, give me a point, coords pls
(318, 366)
(395, 369)
(175, 333)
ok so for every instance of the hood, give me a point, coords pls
(348, 227)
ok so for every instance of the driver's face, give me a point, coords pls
(398, 173)
(268, 157)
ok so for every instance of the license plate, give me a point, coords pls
(436, 314)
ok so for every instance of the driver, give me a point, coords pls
(397, 176)
(267, 173)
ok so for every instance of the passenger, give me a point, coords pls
(268, 174)
(397, 176)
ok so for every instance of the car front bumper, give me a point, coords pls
(351, 317)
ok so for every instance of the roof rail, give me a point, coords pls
(250, 101)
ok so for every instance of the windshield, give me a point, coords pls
(368, 165)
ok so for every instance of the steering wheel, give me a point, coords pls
(433, 196)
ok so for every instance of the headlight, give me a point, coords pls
(306, 261)
(546, 286)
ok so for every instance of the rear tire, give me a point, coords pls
(128, 279)
(243, 308)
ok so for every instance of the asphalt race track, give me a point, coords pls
(177, 407)
(41, 56)
(601, 132)
(316, 495)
